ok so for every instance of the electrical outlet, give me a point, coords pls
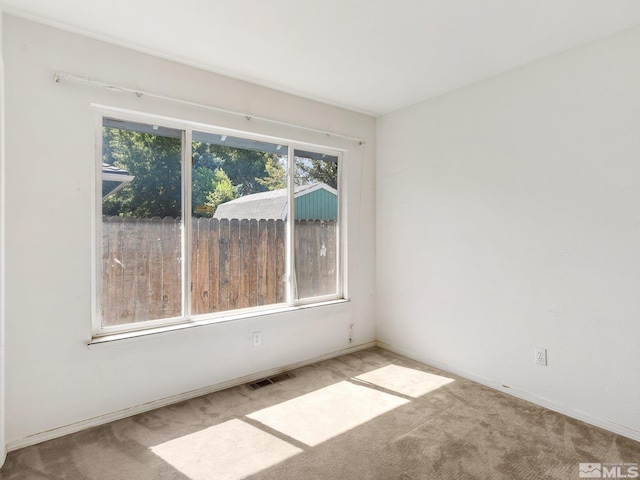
(257, 339)
(541, 356)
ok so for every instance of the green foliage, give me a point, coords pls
(155, 163)
(316, 171)
(223, 190)
(204, 164)
(243, 167)
(276, 176)
(219, 173)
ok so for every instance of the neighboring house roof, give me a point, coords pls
(267, 205)
(115, 174)
(113, 179)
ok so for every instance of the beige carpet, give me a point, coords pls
(368, 415)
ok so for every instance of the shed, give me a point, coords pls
(317, 201)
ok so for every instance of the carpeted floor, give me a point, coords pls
(368, 415)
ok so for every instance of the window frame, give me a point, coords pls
(187, 318)
(340, 247)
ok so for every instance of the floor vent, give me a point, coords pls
(268, 381)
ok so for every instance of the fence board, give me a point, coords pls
(271, 262)
(327, 270)
(213, 265)
(302, 258)
(129, 253)
(112, 270)
(253, 269)
(143, 275)
(244, 262)
(200, 268)
(234, 264)
(280, 261)
(263, 253)
(156, 260)
(172, 278)
(224, 266)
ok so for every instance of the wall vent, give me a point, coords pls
(269, 381)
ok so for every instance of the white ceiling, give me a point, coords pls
(374, 56)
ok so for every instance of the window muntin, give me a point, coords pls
(237, 249)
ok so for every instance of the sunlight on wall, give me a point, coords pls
(229, 451)
(406, 381)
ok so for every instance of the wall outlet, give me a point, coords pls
(257, 338)
(541, 356)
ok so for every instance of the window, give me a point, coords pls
(315, 208)
(196, 224)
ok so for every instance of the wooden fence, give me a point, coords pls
(234, 264)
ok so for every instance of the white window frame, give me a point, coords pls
(291, 214)
(187, 318)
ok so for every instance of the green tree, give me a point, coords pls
(203, 180)
(243, 167)
(311, 170)
(219, 173)
(276, 175)
(155, 163)
(222, 191)
(250, 171)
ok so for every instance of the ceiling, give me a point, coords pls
(373, 56)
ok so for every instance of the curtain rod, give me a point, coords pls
(70, 77)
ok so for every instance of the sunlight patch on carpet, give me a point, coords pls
(232, 450)
(318, 416)
(406, 381)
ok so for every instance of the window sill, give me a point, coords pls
(126, 337)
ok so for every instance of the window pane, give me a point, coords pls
(315, 240)
(141, 222)
(239, 212)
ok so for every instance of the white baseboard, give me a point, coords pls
(163, 402)
(530, 397)
(120, 414)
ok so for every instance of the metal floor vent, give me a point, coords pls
(268, 381)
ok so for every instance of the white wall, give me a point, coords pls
(508, 218)
(53, 380)
(2, 187)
